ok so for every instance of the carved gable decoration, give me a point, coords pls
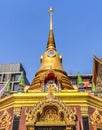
(5, 120)
(96, 118)
(99, 78)
(50, 109)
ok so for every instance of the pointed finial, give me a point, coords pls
(51, 12)
(93, 53)
(8, 86)
(51, 41)
(22, 80)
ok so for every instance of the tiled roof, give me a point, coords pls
(16, 67)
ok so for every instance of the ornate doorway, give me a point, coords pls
(50, 128)
(50, 114)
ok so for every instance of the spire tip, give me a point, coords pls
(51, 12)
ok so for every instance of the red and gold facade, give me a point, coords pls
(51, 102)
(68, 109)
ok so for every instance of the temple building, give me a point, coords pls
(52, 101)
(86, 81)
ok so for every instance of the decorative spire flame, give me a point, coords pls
(51, 12)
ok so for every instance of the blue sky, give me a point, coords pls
(24, 28)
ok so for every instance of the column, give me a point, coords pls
(16, 118)
(85, 116)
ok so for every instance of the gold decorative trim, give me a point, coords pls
(48, 110)
(96, 118)
(84, 110)
(17, 111)
(70, 98)
(5, 120)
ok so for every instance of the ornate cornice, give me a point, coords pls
(71, 98)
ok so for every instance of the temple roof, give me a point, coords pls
(95, 67)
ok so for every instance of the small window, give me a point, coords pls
(12, 77)
(87, 88)
(15, 87)
(5, 77)
(17, 77)
(81, 89)
(74, 82)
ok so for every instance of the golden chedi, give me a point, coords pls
(51, 70)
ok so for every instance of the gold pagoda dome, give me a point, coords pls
(51, 72)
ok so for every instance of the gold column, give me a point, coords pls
(84, 113)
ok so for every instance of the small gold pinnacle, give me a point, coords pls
(51, 12)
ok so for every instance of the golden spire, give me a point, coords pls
(51, 41)
(51, 12)
(51, 62)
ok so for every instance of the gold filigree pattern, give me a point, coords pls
(51, 109)
(84, 110)
(17, 111)
(51, 114)
(5, 120)
(96, 118)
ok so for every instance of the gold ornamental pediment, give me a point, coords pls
(50, 111)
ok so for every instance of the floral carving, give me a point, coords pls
(96, 118)
(50, 115)
(5, 120)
